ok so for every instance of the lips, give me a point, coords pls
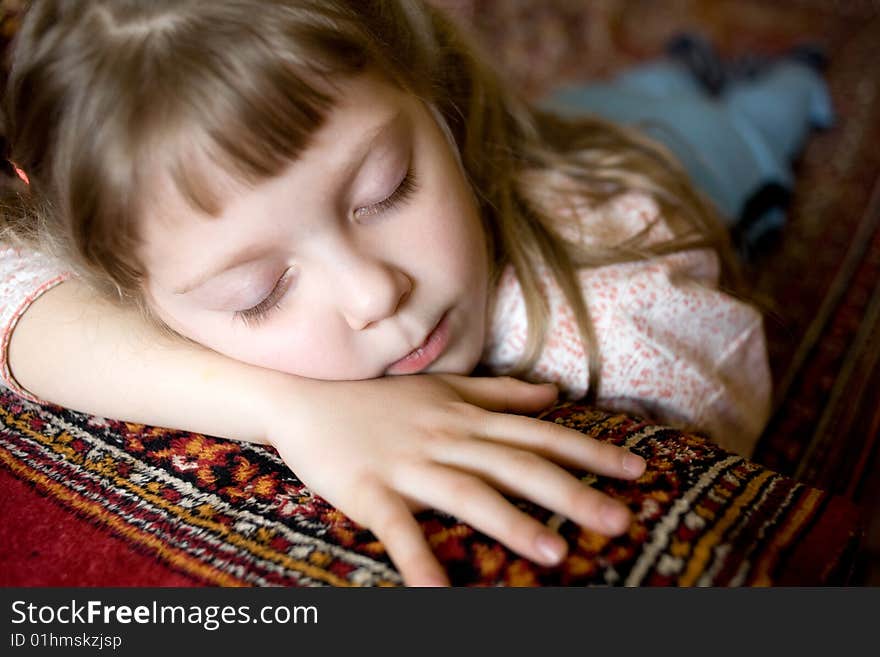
(426, 353)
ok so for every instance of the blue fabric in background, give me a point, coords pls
(732, 144)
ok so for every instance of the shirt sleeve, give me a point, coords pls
(672, 346)
(24, 277)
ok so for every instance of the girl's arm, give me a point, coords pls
(378, 449)
(76, 350)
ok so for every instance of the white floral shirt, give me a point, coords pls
(672, 347)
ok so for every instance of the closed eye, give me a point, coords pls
(256, 314)
(403, 192)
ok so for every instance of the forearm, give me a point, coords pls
(78, 351)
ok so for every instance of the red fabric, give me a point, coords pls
(228, 513)
(43, 544)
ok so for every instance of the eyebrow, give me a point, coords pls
(348, 175)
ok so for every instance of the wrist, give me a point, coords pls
(271, 399)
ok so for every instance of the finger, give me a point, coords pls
(504, 393)
(393, 523)
(561, 444)
(527, 475)
(484, 508)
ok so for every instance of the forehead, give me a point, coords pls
(362, 105)
(356, 103)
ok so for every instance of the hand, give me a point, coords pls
(381, 449)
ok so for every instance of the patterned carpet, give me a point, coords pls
(231, 514)
(192, 509)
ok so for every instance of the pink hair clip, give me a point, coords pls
(21, 174)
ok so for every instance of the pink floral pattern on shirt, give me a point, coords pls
(672, 347)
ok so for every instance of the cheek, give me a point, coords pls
(306, 349)
(452, 215)
(299, 351)
(313, 348)
(451, 235)
(310, 350)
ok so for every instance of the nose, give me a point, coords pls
(370, 290)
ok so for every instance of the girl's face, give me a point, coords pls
(363, 250)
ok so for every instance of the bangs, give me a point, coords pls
(244, 109)
(244, 138)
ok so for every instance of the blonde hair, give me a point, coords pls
(102, 94)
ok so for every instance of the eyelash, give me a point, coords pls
(404, 191)
(253, 316)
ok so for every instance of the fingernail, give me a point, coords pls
(615, 516)
(634, 464)
(552, 548)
